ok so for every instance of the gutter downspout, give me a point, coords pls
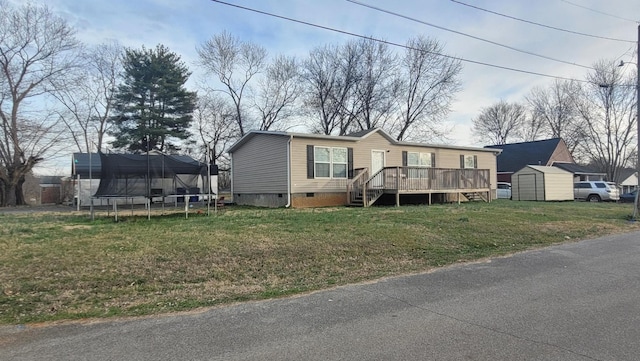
(289, 172)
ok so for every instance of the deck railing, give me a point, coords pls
(355, 188)
(415, 179)
(418, 179)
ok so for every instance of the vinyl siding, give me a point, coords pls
(299, 181)
(260, 165)
(445, 158)
(632, 181)
(558, 187)
(561, 154)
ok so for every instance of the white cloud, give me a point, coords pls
(183, 25)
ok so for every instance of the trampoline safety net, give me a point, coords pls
(157, 175)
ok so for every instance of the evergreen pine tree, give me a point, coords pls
(153, 108)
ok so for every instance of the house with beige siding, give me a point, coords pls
(283, 169)
(628, 180)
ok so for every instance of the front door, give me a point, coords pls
(377, 163)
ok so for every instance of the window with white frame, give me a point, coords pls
(419, 160)
(469, 161)
(339, 162)
(415, 159)
(330, 162)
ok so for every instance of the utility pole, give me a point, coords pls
(636, 204)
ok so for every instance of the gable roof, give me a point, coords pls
(625, 173)
(577, 168)
(516, 156)
(362, 133)
(353, 137)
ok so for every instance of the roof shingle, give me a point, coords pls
(516, 156)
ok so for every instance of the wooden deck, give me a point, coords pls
(364, 190)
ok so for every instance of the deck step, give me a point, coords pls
(475, 196)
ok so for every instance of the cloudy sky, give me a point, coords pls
(468, 33)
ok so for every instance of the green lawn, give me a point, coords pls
(64, 266)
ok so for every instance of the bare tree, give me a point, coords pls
(376, 85)
(555, 109)
(429, 83)
(606, 108)
(37, 48)
(235, 63)
(215, 123)
(330, 76)
(499, 123)
(278, 92)
(532, 128)
(88, 98)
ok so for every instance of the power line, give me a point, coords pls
(467, 35)
(629, 51)
(395, 44)
(542, 25)
(601, 12)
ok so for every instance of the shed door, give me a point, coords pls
(377, 163)
(527, 187)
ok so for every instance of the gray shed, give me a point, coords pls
(541, 183)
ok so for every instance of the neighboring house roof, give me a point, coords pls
(516, 156)
(626, 173)
(354, 137)
(577, 168)
(50, 179)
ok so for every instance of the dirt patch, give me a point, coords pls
(78, 226)
(54, 208)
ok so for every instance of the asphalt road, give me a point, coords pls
(578, 301)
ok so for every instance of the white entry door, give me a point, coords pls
(377, 163)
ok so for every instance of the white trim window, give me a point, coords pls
(468, 161)
(330, 162)
(415, 159)
(418, 163)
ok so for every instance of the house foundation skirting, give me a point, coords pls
(298, 200)
(303, 200)
(270, 200)
(328, 199)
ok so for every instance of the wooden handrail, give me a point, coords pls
(414, 179)
(354, 187)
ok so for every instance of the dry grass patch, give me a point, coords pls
(55, 267)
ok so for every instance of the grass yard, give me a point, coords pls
(64, 266)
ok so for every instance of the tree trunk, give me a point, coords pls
(2, 194)
(20, 200)
(10, 195)
(13, 194)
